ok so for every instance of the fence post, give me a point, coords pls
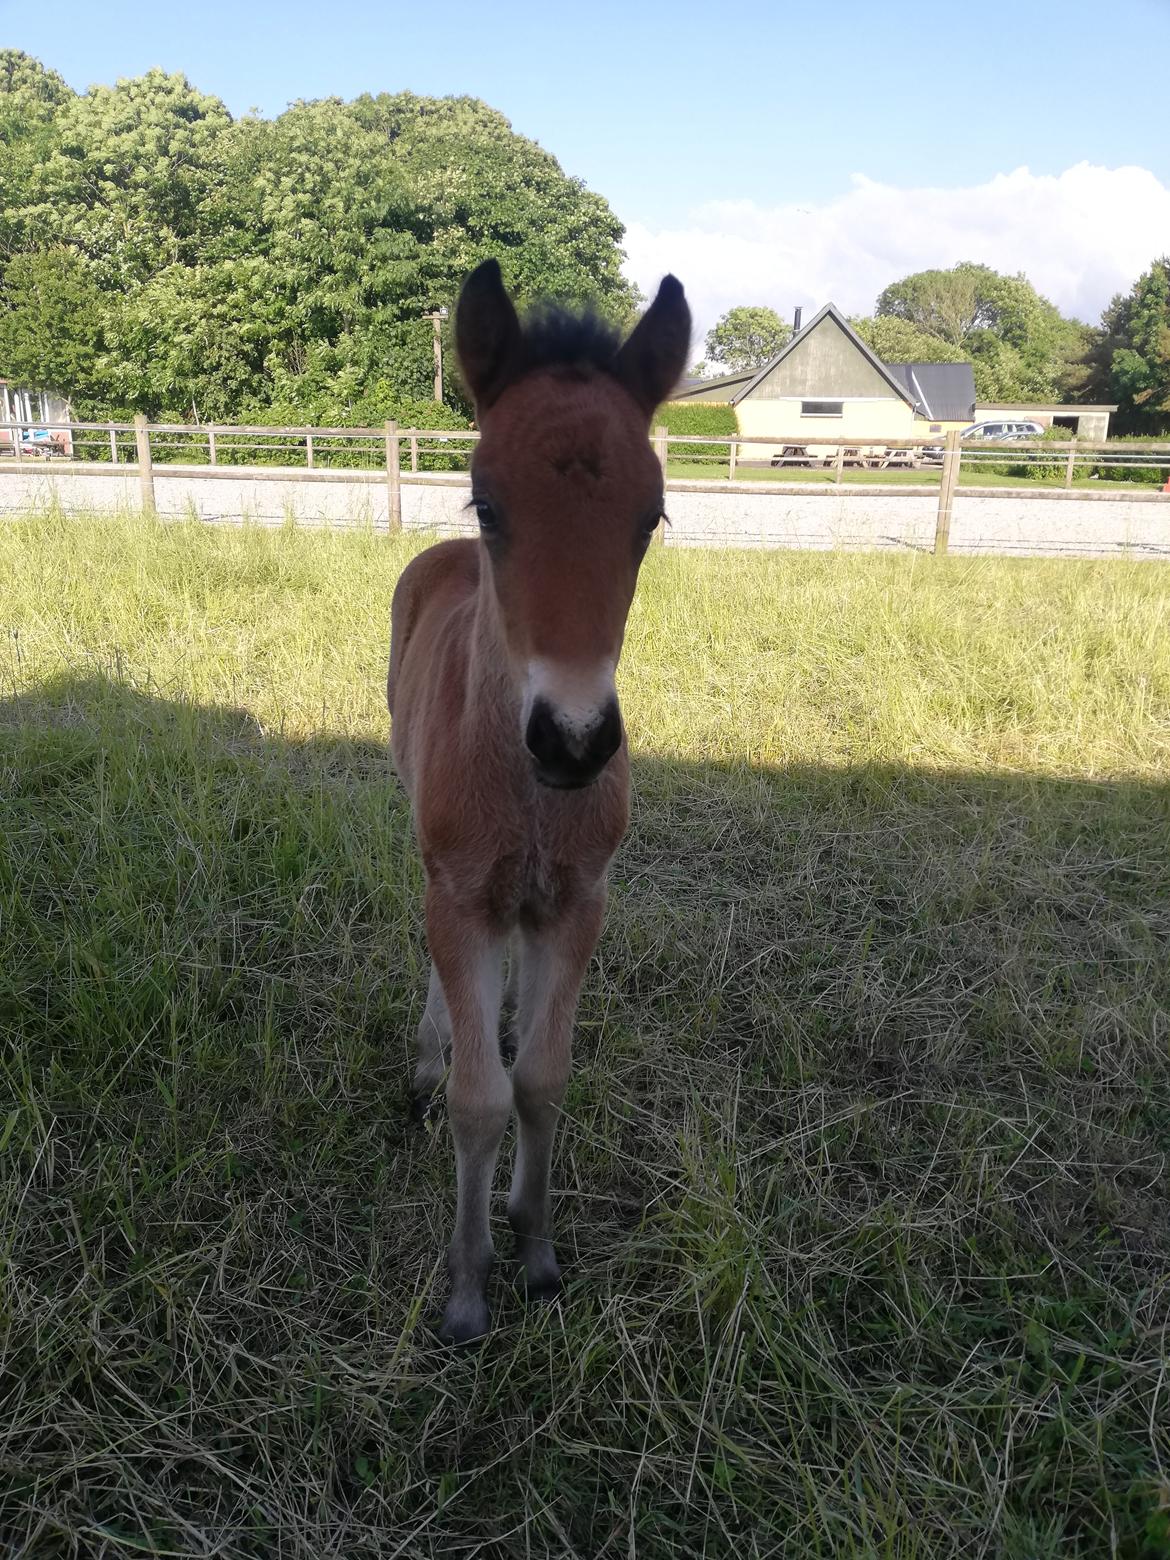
(731, 460)
(1072, 455)
(952, 456)
(393, 479)
(309, 451)
(839, 463)
(145, 467)
(211, 456)
(660, 450)
(414, 452)
(113, 446)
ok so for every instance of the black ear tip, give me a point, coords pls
(670, 290)
(486, 274)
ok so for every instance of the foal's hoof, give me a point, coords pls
(537, 1272)
(542, 1290)
(465, 1322)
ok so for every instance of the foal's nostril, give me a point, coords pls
(542, 739)
(608, 736)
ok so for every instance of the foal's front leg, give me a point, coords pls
(468, 960)
(553, 961)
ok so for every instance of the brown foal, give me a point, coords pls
(508, 734)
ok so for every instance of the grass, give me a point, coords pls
(863, 1180)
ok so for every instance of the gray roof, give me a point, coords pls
(700, 389)
(944, 392)
(830, 311)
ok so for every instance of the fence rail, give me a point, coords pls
(693, 463)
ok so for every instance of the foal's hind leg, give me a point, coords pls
(433, 1047)
(552, 965)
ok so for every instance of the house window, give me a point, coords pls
(821, 408)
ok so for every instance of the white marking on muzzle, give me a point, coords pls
(576, 696)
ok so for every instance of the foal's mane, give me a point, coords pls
(553, 336)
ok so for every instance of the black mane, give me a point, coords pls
(556, 337)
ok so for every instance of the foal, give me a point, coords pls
(508, 735)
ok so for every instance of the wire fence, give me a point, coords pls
(742, 457)
(739, 464)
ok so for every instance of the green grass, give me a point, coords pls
(863, 1185)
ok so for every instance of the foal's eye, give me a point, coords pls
(485, 514)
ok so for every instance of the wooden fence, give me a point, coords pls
(392, 454)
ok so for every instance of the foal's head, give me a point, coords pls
(568, 494)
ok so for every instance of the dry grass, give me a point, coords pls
(864, 1172)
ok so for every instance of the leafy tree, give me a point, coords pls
(897, 340)
(219, 265)
(746, 338)
(1132, 360)
(50, 321)
(30, 100)
(131, 174)
(1020, 344)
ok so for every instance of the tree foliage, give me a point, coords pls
(160, 256)
(1132, 360)
(746, 338)
(897, 340)
(1020, 345)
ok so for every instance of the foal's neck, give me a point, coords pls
(490, 686)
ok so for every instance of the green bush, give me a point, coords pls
(707, 419)
(1148, 476)
(1039, 466)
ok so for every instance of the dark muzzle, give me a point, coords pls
(567, 755)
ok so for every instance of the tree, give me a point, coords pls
(50, 322)
(746, 338)
(230, 265)
(1132, 356)
(1020, 345)
(897, 340)
(30, 101)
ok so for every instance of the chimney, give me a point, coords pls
(796, 321)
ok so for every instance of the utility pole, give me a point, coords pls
(436, 319)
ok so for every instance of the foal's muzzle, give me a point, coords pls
(569, 753)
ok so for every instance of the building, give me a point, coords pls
(1087, 422)
(40, 417)
(826, 382)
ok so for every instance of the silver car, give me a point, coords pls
(1002, 432)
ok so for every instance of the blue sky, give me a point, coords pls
(686, 116)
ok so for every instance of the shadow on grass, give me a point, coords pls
(864, 1166)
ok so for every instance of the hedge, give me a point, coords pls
(1150, 476)
(710, 419)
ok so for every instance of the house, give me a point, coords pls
(40, 417)
(825, 382)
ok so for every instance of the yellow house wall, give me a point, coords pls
(861, 421)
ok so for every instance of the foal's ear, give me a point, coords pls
(487, 333)
(652, 360)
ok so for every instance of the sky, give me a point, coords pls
(765, 153)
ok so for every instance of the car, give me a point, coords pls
(1004, 432)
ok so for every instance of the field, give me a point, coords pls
(864, 1197)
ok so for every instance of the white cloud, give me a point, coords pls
(1079, 237)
